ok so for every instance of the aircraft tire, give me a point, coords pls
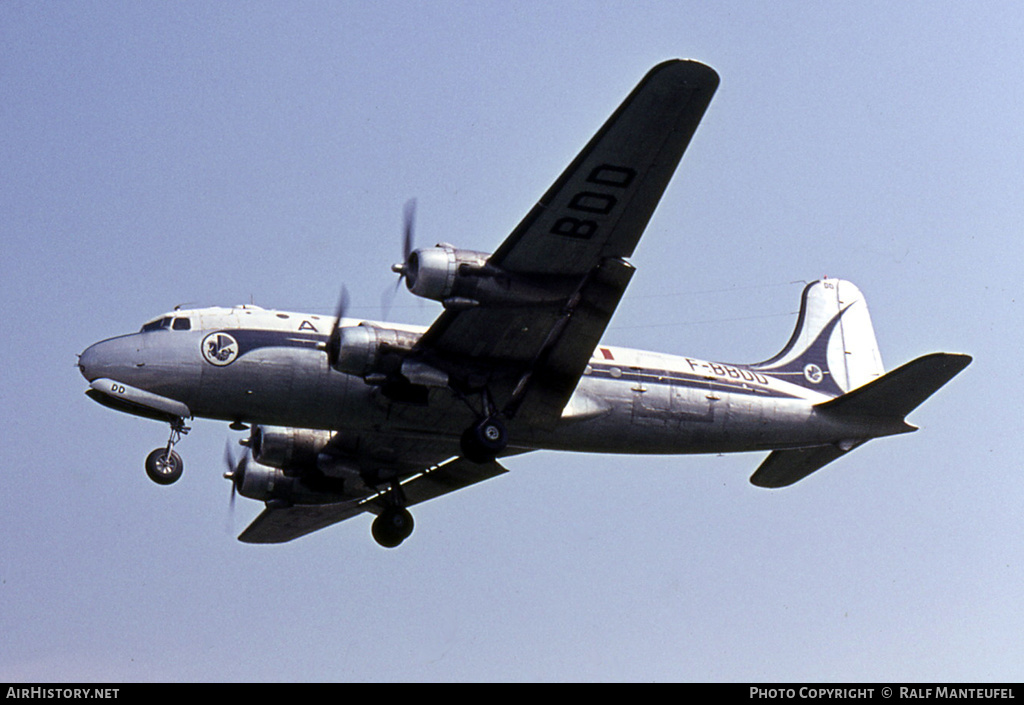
(164, 469)
(392, 527)
(482, 442)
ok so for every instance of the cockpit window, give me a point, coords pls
(167, 323)
(159, 323)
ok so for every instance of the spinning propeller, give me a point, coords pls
(333, 344)
(235, 473)
(409, 221)
(402, 268)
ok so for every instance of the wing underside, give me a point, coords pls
(575, 242)
(282, 524)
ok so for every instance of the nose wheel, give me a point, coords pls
(164, 466)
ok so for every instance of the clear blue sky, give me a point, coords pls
(215, 153)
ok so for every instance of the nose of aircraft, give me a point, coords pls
(104, 358)
(87, 364)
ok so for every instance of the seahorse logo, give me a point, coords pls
(219, 349)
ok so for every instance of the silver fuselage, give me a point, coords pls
(627, 401)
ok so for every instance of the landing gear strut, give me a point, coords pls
(164, 466)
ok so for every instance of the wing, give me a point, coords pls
(574, 242)
(572, 247)
(278, 525)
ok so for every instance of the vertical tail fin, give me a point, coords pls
(833, 348)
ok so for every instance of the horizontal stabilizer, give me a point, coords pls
(897, 393)
(784, 467)
(889, 398)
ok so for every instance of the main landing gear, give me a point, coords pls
(393, 525)
(482, 441)
(164, 466)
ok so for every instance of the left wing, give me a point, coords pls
(278, 525)
(573, 245)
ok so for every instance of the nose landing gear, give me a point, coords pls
(164, 466)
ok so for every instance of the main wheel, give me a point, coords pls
(482, 442)
(392, 527)
(164, 468)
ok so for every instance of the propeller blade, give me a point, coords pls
(236, 469)
(408, 237)
(334, 341)
(235, 473)
(387, 298)
(409, 217)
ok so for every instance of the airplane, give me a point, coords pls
(349, 416)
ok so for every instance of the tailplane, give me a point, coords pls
(833, 349)
(881, 404)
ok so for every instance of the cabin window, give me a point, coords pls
(181, 324)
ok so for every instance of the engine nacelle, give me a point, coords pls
(444, 273)
(367, 350)
(286, 488)
(289, 448)
(462, 279)
(259, 481)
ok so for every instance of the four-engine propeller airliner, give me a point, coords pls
(350, 416)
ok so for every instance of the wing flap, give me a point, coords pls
(282, 524)
(448, 477)
(545, 389)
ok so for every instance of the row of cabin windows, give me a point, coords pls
(168, 323)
